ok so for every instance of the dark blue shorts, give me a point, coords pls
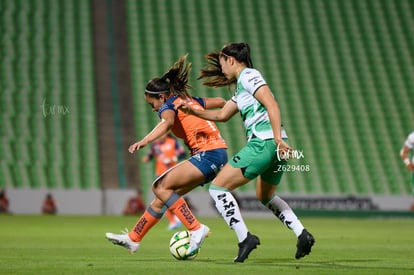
(209, 162)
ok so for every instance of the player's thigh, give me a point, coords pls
(183, 176)
(254, 158)
(230, 178)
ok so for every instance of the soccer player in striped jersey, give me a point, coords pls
(208, 156)
(265, 151)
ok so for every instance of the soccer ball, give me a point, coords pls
(179, 244)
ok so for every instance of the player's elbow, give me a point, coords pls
(168, 123)
(220, 117)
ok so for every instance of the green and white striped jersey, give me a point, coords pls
(253, 113)
(409, 142)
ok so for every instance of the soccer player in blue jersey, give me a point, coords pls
(208, 155)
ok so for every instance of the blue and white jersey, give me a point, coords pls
(253, 113)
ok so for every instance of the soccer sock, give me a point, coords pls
(179, 207)
(170, 216)
(144, 224)
(283, 211)
(227, 206)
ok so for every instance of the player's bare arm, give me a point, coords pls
(265, 97)
(222, 115)
(404, 156)
(214, 102)
(166, 123)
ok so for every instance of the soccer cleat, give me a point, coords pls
(304, 244)
(246, 246)
(123, 240)
(196, 239)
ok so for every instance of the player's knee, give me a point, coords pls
(155, 187)
(158, 186)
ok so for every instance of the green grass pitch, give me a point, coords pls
(77, 245)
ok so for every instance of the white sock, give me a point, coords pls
(283, 211)
(227, 206)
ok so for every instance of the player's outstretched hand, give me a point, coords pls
(283, 150)
(184, 106)
(136, 146)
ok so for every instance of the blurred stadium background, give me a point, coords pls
(73, 72)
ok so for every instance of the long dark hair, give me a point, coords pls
(174, 81)
(212, 71)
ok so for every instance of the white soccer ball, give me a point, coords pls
(179, 244)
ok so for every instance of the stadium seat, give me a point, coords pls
(47, 66)
(340, 71)
(343, 93)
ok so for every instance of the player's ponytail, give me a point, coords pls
(177, 76)
(212, 71)
(174, 81)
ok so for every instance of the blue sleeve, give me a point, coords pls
(200, 101)
(167, 106)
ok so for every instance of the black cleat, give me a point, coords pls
(304, 245)
(246, 246)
